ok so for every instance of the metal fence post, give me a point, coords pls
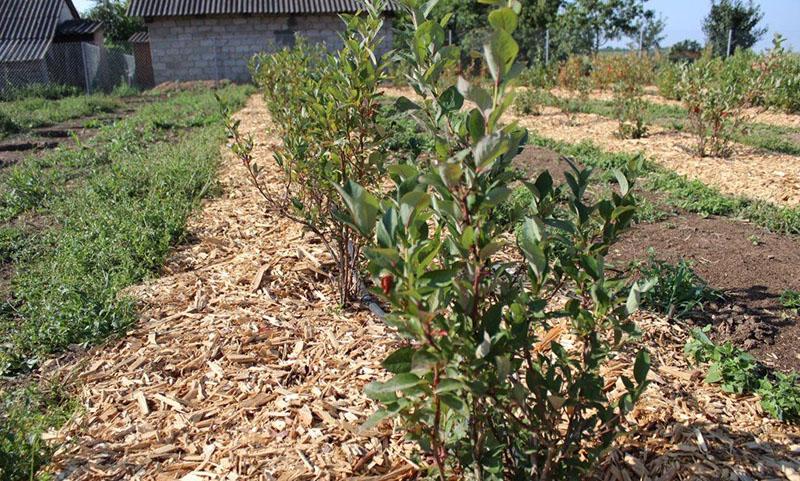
(730, 41)
(85, 66)
(547, 46)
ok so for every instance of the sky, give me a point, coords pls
(684, 19)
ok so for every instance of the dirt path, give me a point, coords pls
(242, 368)
(242, 365)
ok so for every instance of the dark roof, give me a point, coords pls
(78, 27)
(140, 37)
(27, 27)
(177, 8)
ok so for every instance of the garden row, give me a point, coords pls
(506, 341)
(79, 226)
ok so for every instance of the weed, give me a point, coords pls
(738, 372)
(679, 290)
(25, 414)
(791, 299)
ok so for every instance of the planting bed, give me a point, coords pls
(243, 368)
(749, 172)
(39, 140)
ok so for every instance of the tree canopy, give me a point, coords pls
(743, 18)
(117, 24)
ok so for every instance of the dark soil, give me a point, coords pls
(749, 265)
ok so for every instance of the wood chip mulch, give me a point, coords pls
(243, 368)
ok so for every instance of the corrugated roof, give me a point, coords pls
(177, 8)
(78, 27)
(27, 27)
(139, 37)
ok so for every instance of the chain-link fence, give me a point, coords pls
(91, 68)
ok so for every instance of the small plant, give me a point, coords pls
(574, 78)
(679, 290)
(327, 107)
(738, 372)
(538, 77)
(755, 240)
(790, 299)
(715, 104)
(485, 385)
(629, 104)
(780, 396)
(528, 102)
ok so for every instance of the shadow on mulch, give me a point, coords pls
(749, 265)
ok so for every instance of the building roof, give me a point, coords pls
(177, 8)
(140, 37)
(27, 27)
(78, 27)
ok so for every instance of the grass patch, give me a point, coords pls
(126, 204)
(25, 414)
(30, 113)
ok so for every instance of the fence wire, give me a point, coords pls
(89, 67)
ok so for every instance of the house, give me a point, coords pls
(214, 39)
(40, 42)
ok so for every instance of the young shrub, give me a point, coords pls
(530, 102)
(668, 78)
(538, 77)
(326, 107)
(781, 70)
(495, 382)
(715, 104)
(629, 105)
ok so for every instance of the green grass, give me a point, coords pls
(25, 414)
(29, 113)
(111, 212)
(691, 195)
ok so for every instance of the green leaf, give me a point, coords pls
(449, 385)
(529, 239)
(410, 203)
(451, 100)
(641, 366)
(363, 206)
(400, 382)
(624, 186)
(635, 295)
(500, 53)
(399, 361)
(475, 93)
(714, 374)
(403, 104)
(503, 19)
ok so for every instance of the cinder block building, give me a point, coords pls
(214, 39)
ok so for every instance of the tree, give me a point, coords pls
(117, 24)
(726, 15)
(651, 28)
(685, 51)
(586, 25)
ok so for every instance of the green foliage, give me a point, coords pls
(715, 95)
(782, 70)
(739, 16)
(25, 414)
(679, 290)
(28, 113)
(790, 299)
(668, 80)
(328, 108)
(37, 90)
(738, 372)
(685, 51)
(485, 383)
(126, 205)
(530, 102)
(780, 396)
(117, 25)
(629, 105)
(538, 76)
